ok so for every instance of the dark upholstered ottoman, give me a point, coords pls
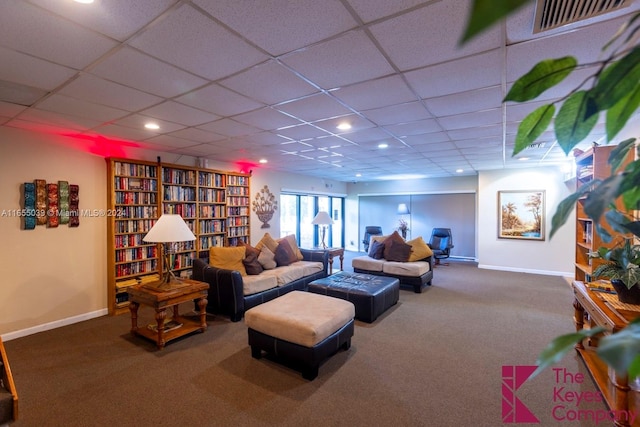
(301, 328)
(372, 295)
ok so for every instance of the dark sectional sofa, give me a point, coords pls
(226, 294)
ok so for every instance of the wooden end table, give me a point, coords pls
(160, 301)
(613, 386)
(332, 253)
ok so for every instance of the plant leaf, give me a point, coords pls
(560, 346)
(620, 350)
(574, 121)
(601, 195)
(484, 13)
(619, 153)
(618, 80)
(565, 207)
(542, 76)
(618, 115)
(629, 188)
(532, 126)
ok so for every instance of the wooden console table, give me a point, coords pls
(593, 308)
(160, 301)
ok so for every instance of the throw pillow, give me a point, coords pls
(267, 241)
(250, 261)
(267, 259)
(397, 251)
(284, 255)
(291, 238)
(394, 237)
(376, 250)
(420, 249)
(229, 258)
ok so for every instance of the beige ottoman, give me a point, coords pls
(301, 328)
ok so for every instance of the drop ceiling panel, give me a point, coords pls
(29, 29)
(269, 83)
(100, 91)
(400, 113)
(179, 113)
(197, 135)
(57, 119)
(267, 119)
(10, 110)
(376, 93)
(415, 128)
(194, 42)
(370, 10)
(137, 121)
(171, 141)
(81, 108)
(366, 135)
(219, 100)
(426, 138)
(314, 107)
(470, 120)
(27, 70)
(465, 102)
(411, 43)
(351, 58)
(229, 127)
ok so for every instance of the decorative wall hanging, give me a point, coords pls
(49, 204)
(521, 215)
(264, 205)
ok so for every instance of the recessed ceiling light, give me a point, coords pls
(84, 1)
(344, 126)
(523, 159)
(358, 175)
(383, 145)
(152, 126)
(459, 170)
(263, 161)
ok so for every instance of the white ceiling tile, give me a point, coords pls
(25, 69)
(99, 91)
(314, 107)
(280, 26)
(414, 128)
(469, 120)
(179, 113)
(29, 29)
(367, 135)
(116, 18)
(301, 132)
(376, 93)
(370, 10)
(229, 127)
(59, 120)
(267, 119)
(219, 100)
(270, 83)
(401, 113)
(197, 135)
(194, 42)
(477, 132)
(171, 141)
(131, 68)
(10, 110)
(137, 121)
(357, 123)
(81, 108)
(348, 59)
(426, 138)
(465, 102)
(411, 43)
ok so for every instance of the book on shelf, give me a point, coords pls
(601, 286)
(168, 326)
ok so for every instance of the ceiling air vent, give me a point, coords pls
(552, 14)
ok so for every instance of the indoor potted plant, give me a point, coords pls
(403, 227)
(622, 267)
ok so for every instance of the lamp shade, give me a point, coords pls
(169, 228)
(322, 218)
(403, 209)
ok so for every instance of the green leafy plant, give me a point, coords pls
(614, 90)
(622, 262)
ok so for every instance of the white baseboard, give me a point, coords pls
(526, 270)
(53, 325)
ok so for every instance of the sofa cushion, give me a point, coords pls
(250, 261)
(309, 267)
(267, 241)
(267, 258)
(420, 249)
(284, 254)
(291, 238)
(395, 236)
(258, 283)
(376, 250)
(397, 251)
(229, 258)
(367, 263)
(412, 269)
(285, 275)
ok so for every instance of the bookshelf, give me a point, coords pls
(133, 193)
(590, 165)
(214, 204)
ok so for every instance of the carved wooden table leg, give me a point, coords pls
(621, 384)
(133, 308)
(202, 305)
(578, 318)
(161, 314)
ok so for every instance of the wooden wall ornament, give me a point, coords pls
(49, 204)
(74, 201)
(63, 201)
(41, 201)
(29, 189)
(52, 205)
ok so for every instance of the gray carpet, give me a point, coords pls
(434, 359)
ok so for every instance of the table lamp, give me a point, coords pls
(170, 228)
(322, 219)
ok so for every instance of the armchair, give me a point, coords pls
(441, 243)
(8, 392)
(370, 230)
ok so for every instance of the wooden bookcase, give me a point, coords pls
(214, 204)
(590, 165)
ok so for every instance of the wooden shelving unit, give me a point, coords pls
(590, 165)
(214, 204)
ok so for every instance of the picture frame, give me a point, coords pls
(521, 214)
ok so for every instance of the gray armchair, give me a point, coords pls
(441, 243)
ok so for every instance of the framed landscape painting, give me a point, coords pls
(521, 215)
